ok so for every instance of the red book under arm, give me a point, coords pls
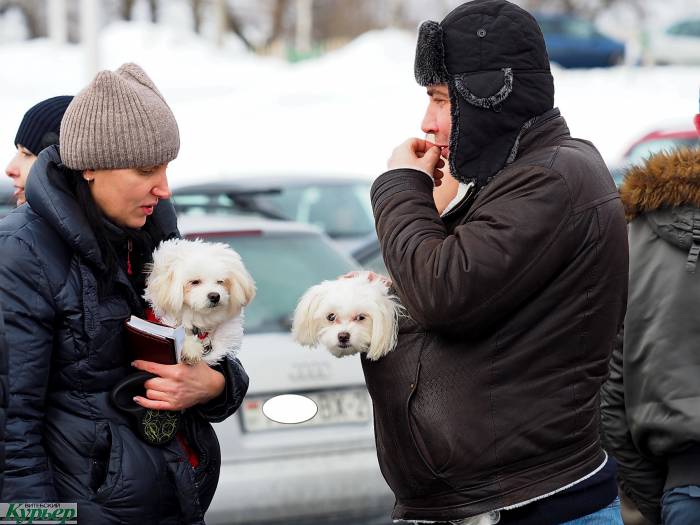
(153, 342)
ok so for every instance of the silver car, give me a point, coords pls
(7, 198)
(321, 471)
(339, 205)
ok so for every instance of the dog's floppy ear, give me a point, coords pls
(305, 326)
(385, 312)
(164, 286)
(240, 283)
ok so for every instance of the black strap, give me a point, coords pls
(694, 252)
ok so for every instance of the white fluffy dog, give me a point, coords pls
(348, 316)
(203, 286)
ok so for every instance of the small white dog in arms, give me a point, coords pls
(203, 286)
(349, 315)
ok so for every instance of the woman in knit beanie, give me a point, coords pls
(39, 129)
(71, 274)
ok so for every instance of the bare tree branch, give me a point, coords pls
(127, 8)
(153, 8)
(278, 11)
(32, 12)
(234, 25)
(196, 6)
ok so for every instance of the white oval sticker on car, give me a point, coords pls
(289, 408)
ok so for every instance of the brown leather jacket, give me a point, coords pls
(491, 397)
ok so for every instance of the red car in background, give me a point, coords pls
(667, 139)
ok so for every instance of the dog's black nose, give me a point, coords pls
(343, 337)
(213, 297)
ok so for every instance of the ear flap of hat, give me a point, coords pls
(485, 89)
(429, 67)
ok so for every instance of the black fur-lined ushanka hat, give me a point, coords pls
(492, 56)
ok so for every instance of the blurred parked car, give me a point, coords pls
(677, 43)
(575, 42)
(661, 139)
(321, 471)
(369, 256)
(7, 198)
(339, 206)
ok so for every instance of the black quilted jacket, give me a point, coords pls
(65, 441)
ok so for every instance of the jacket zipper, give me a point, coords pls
(129, 248)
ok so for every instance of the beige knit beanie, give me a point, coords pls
(120, 120)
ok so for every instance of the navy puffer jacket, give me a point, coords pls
(65, 440)
(3, 394)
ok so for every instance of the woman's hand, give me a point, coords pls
(179, 386)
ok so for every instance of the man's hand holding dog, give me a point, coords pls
(179, 386)
(418, 154)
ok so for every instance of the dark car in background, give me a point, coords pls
(369, 256)
(339, 206)
(574, 42)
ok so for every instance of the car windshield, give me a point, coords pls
(686, 28)
(284, 266)
(644, 150)
(568, 26)
(340, 210)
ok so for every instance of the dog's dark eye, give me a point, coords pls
(219, 282)
(360, 317)
(331, 317)
(195, 282)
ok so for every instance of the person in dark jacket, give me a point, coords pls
(72, 272)
(39, 129)
(489, 406)
(651, 402)
(3, 395)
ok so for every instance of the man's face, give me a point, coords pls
(438, 119)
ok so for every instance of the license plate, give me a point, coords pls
(334, 407)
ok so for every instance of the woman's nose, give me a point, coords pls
(162, 189)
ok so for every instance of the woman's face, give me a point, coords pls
(128, 196)
(18, 170)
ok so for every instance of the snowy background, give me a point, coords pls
(339, 114)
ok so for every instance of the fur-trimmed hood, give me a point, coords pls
(666, 180)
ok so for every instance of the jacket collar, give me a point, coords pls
(665, 180)
(546, 128)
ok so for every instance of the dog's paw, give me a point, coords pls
(190, 360)
(191, 351)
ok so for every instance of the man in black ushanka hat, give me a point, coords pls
(488, 409)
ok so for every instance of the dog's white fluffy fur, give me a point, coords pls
(203, 286)
(348, 316)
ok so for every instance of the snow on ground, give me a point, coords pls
(339, 114)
